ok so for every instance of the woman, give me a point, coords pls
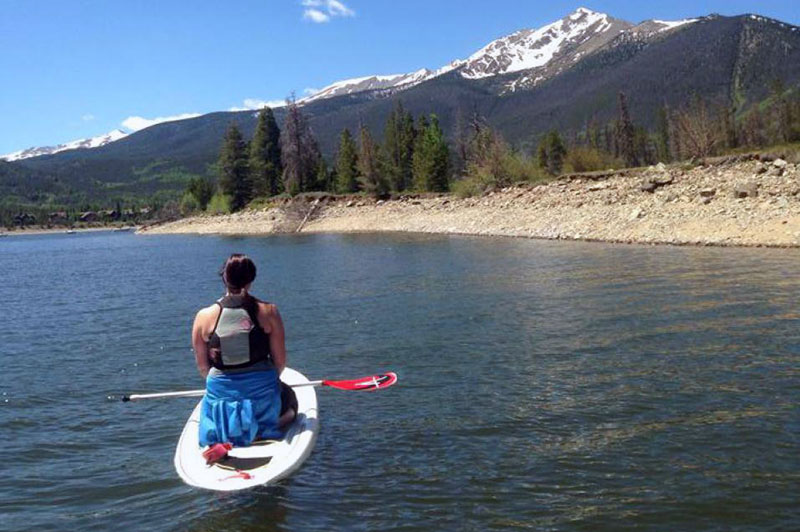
(239, 348)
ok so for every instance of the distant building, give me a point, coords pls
(88, 216)
(57, 217)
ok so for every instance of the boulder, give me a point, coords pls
(745, 190)
(662, 179)
(648, 186)
(708, 192)
(779, 163)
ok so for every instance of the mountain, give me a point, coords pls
(94, 142)
(369, 83)
(563, 41)
(559, 76)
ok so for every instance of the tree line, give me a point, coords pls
(415, 156)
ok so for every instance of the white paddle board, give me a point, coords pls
(262, 463)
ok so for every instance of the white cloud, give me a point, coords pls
(87, 117)
(135, 123)
(254, 104)
(315, 16)
(320, 11)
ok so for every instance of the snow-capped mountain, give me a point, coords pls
(536, 48)
(537, 54)
(368, 83)
(94, 142)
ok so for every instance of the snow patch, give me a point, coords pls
(94, 142)
(527, 49)
(672, 24)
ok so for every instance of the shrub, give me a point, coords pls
(188, 204)
(219, 204)
(588, 159)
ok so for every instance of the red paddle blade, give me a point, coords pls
(373, 382)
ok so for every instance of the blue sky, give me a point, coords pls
(74, 69)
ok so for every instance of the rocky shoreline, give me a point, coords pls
(747, 200)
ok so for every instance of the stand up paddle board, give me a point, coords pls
(262, 463)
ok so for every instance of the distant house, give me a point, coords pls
(144, 210)
(88, 216)
(110, 214)
(24, 218)
(57, 217)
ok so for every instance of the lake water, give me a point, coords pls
(543, 385)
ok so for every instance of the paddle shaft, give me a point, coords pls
(194, 393)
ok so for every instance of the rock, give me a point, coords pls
(760, 169)
(779, 163)
(350, 203)
(636, 214)
(598, 186)
(661, 167)
(705, 200)
(745, 190)
(708, 192)
(648, 186)
(775, 171)
(663, 179)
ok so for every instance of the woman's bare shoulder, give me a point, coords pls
(207, 312)
(267, 308)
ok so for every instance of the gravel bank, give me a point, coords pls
(738, 201)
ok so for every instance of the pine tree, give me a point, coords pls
(202, 190)
(346, 164)
(662, 135)
(369, 174)
(234, 176)
(392, 150)
(299, 151)
(551, 152)
(398, 148)
(625, 134)
(431, 161)
(265, 156)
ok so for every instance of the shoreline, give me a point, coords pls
(738, 201)
(66, 230)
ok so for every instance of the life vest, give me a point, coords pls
(238, 341)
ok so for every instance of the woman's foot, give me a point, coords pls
(286, 418)
(216, 452)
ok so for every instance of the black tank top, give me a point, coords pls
(238, 341)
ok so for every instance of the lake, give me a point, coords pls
(543, 385)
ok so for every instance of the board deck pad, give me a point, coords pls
(264, 462)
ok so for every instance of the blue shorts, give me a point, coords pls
(240, 408)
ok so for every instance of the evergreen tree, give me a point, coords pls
(662, 135)
(369, 172)
(625, 134)
(397, 150)
(431, 162)
(265, 155)
(346, 164)
(392, 151)
(202, 190)
(299, 151)
(551, 152)
(234, 176)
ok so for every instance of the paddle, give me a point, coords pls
(372, 382)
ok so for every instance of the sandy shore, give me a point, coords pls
(737, 201)
(56, 230)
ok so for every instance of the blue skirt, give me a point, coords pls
(240, 408)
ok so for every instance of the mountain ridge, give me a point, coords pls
(728, 60)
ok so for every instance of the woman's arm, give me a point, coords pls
(272, 324)
(200, 344)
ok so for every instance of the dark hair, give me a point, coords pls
(238, 271)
